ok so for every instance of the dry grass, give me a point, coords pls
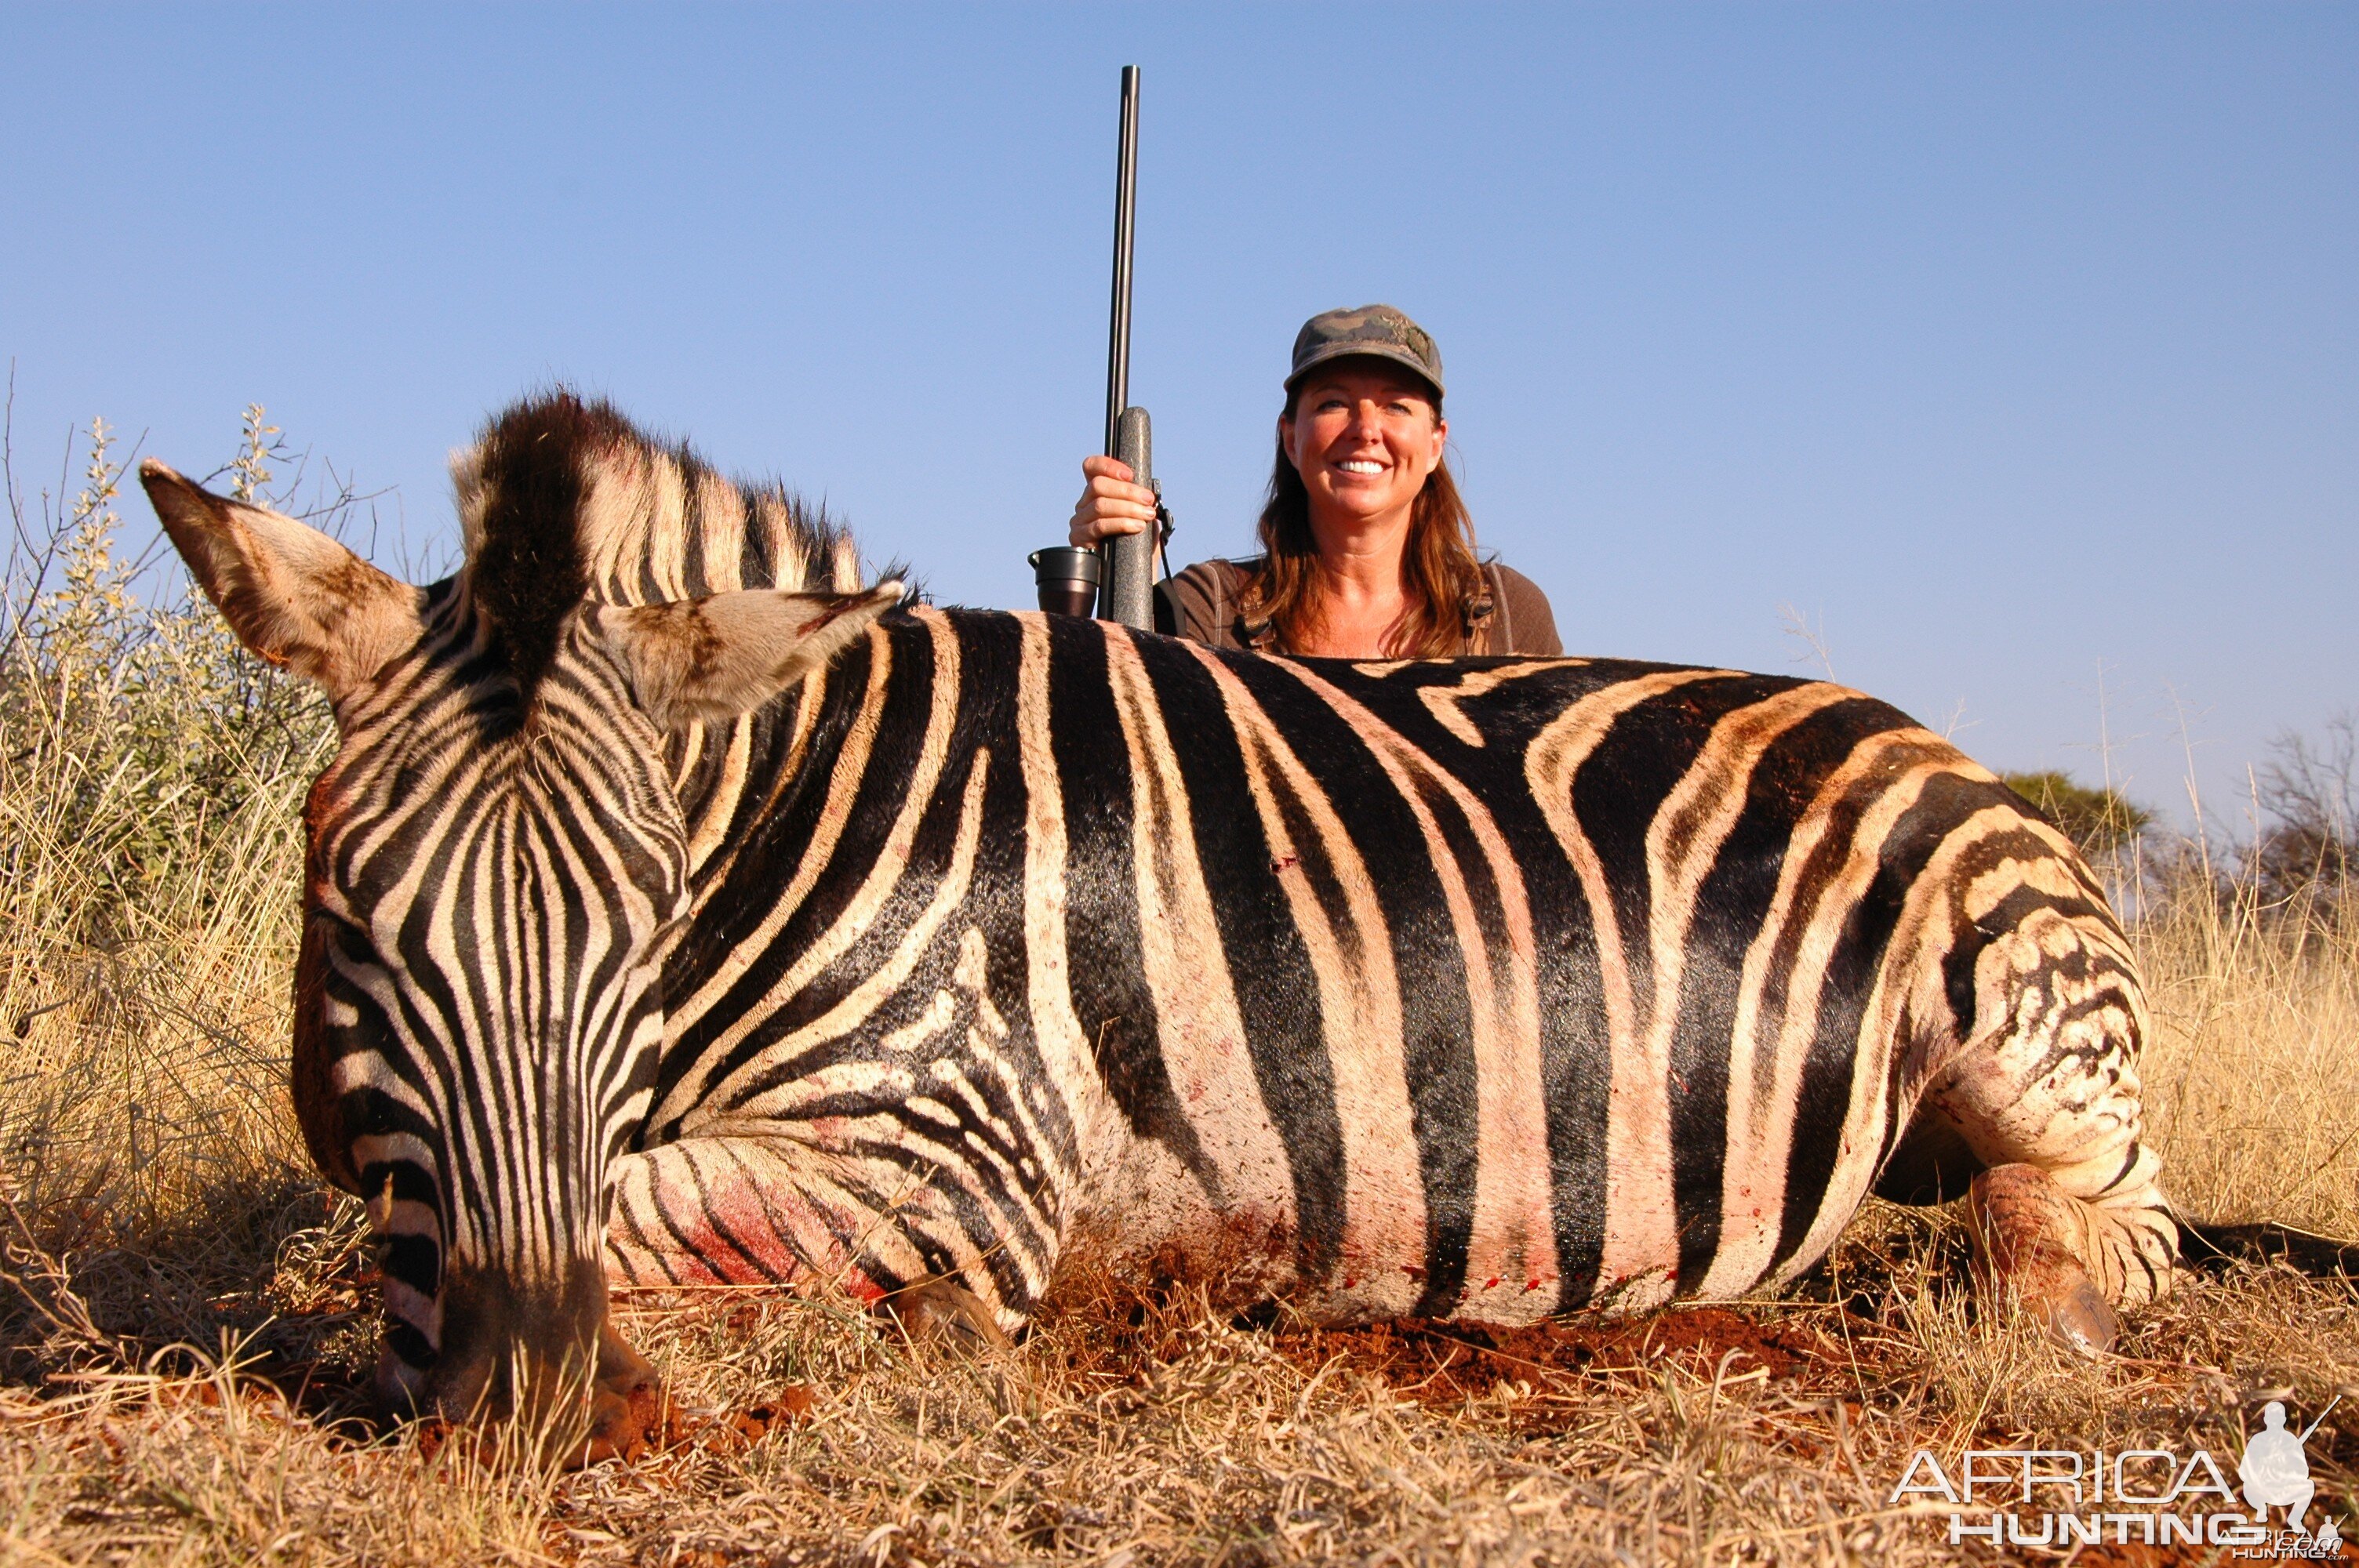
(183, 1319)
(2252, 1080)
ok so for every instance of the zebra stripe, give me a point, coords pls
(1266, 908)
(1000, 945)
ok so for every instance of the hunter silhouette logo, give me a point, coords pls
(2276, 1472)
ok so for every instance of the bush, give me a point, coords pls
(2309, 793)
(2101, 821)
(152, 775)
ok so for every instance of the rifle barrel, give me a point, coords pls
(1125, 194)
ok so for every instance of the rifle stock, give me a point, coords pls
(1128, 592)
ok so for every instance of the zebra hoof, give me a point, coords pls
(2024, 1227)
(945, 1316)
(2081, 1320)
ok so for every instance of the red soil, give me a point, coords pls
(1446, 1365)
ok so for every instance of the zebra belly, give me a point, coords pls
(1148, 1218)
(1157, 1210)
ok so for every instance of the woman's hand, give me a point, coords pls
(1110, 502)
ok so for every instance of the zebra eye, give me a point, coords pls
(348, 938)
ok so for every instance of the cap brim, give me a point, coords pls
(1329, 352)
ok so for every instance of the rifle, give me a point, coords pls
(1119, 577)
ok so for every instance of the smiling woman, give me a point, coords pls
(1367, 550)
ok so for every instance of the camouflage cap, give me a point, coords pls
(1374, 331)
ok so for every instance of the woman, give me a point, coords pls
(1367, 551)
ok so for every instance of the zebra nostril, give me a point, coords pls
(401, 1380)
(406, 1346)
(629, 1408)
(533, 1350)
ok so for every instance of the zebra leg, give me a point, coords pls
(2068, 1214)
(2029, 1239)
(945, 1314)
(756, 1211)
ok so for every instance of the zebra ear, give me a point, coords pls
(706, 661)
(293, 595)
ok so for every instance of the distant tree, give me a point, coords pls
(2309, 794)
(2098, 820)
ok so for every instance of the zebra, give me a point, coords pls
(680, 909)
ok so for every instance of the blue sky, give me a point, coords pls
(2007, 345)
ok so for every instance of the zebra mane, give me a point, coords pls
(564, 500)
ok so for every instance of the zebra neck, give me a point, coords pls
(766, 803)
(732, 779)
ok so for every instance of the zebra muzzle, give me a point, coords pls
(540, 1362)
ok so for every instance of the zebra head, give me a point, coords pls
(496, 859)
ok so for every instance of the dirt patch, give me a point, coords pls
(658, 1424)
(654, 1425)
(1445, 1366)
(737, 1431)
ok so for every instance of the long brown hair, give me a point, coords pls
(1439, 575)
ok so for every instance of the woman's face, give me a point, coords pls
(1364, 435)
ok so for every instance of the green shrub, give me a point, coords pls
(2099, 820)
(152, 776)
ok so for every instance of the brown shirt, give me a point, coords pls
(1201, 603)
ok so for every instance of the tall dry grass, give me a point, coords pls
(2253, 1078)
(151, 777)
(184, 1312)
